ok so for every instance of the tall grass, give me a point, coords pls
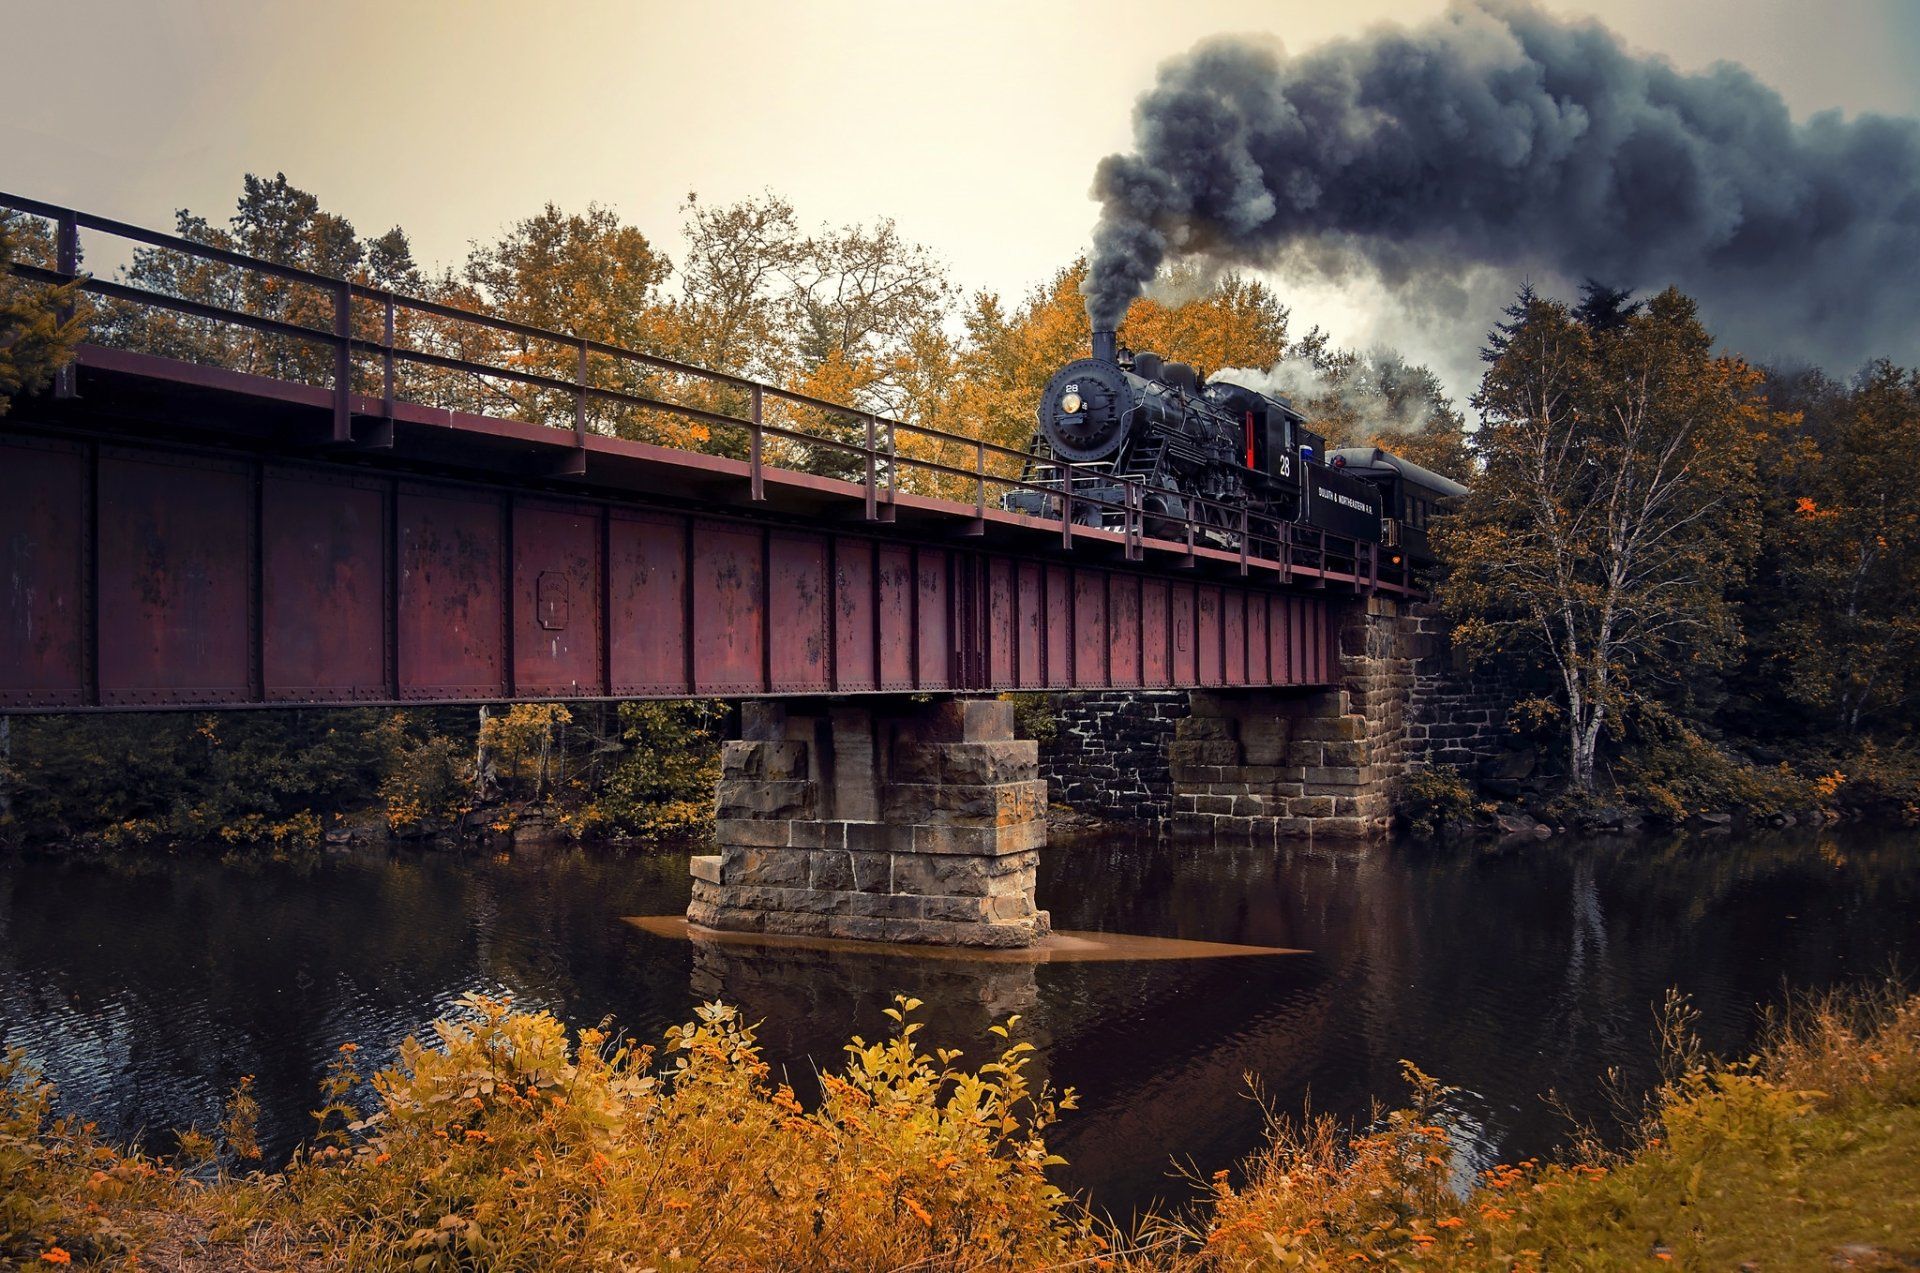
(507, 1143)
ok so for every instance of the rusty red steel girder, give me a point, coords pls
(177, 534)
(143, 576)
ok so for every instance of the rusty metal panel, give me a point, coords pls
(1186, 645)
(1123, 601)
(556, 599)
(452, 614)
(1259, 671)
(1312, 643)
(323, 578)
(1156, 636)
(1233, 635)
(1001, 597)
(933, 621)
(1058, 621)
(176, 572)
(1324, 641)
(647, 604)
(1030, 599)
(894, 596)
(1296, 640)
(729, 609)
(1286, 642)
(1090, 628)
(797, 657)
(1281, 640)
(1206, 636)
(855, 616)
(45, 526)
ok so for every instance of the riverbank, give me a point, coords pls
(508, 1144)
(147, 985)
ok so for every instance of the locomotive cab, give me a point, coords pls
(1272, 432)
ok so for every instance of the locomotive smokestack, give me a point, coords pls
(1106, 346)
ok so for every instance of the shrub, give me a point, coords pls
(510, 1146)
(1875, 779)
(1794, 1158)
(525, 738)
(1034, 716)
(1672, 772)
(1431, 798)
(429, 779)
(662, 782)
(63, 1195)
(241, 779)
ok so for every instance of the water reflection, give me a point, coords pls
(147, 993)
(793, 991)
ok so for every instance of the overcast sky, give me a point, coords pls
(976, 126)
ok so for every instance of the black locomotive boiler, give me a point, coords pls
(1228, 459)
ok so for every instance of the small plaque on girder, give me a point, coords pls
(550, 596)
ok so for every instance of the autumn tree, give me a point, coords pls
(37, 335)
(1616, 507)
(586, 274)
(1845, 516)
(276, 221)
(846, 314)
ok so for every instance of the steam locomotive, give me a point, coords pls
(1121, 426)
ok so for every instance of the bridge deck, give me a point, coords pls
(178, 534)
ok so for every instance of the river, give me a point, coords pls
(146, 988)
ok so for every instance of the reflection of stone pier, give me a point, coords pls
(805, 996)
(908, 822)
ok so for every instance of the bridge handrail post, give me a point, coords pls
(67, 262)
(1066, 505)
(386, 359)
(580, 397)
(873, 472)
(755, 443)
(343, 362)
(980, 478)
(1246, 530)
(893, 468)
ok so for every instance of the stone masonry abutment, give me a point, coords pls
(1285, 763)
(884, 820)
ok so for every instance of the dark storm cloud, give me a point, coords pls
(1500, 135)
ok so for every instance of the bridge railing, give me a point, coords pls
(183, 298)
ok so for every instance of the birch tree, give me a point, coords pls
(1616, 507)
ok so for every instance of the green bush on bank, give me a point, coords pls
(277, 780)
(1433, 798)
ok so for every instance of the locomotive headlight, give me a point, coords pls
(1070, 403)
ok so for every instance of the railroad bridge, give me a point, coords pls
(333, 494)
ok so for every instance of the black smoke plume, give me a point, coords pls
(1502, 136)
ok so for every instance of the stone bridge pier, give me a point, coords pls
(877, 820)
